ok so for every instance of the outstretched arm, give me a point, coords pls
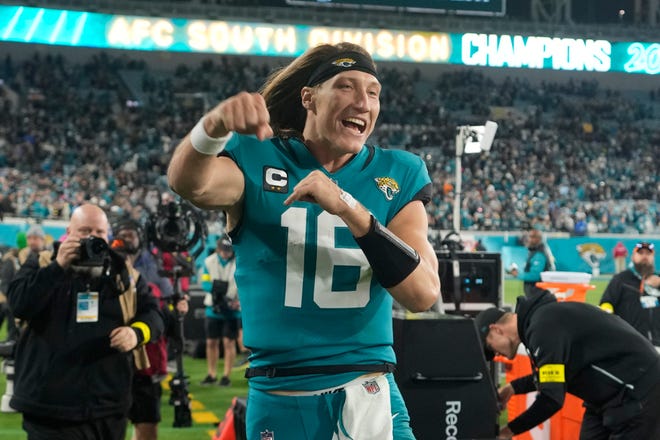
(196, 173)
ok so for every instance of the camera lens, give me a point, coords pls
(93, 251)
(171, 228)
(97, 246)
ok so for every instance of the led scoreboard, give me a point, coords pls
(23, 24)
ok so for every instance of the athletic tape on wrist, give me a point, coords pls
(391, 259)
(348, 199)
(204, 143)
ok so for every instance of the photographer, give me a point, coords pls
(128, 239)
(86, 311)
(222, 310)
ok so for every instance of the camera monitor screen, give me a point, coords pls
(479, 282)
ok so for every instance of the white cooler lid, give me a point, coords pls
(566, 277)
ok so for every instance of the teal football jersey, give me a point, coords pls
(307, 292)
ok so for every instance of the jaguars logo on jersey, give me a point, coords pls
(388, 186)
(344, 62)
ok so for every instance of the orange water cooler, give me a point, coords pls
(565, 424)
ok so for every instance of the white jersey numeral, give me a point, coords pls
(328, 257)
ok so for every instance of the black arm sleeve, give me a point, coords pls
(148, 310)
(523, 385)
(541, 410)
(551, 393)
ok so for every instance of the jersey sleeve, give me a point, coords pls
(416, 182)
(237, 147)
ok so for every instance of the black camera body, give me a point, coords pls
(93, 251)
(176, 227)
(219, 293)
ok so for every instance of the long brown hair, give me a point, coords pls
(282, 88)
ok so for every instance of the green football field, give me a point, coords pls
(514, 288)
(209, 404)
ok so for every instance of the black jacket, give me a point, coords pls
(65, 369)
(625, 293)
(580, 349)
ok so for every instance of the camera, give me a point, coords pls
(176, 227)
(93, 251)
(219, 293)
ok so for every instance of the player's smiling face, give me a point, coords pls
(343, 112)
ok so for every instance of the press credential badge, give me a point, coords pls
(87, 307)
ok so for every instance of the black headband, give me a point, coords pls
(341, 62)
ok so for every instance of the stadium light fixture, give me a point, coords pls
(470, 139)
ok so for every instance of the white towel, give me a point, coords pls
(367, 411)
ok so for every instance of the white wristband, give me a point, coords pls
(204, 143)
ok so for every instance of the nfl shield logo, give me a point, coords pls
(371, 387)
(267, 435)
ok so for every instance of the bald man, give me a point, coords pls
(74, 364)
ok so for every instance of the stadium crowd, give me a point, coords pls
(569, 156)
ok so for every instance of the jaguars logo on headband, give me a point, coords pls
(388, 186)
(344, 62)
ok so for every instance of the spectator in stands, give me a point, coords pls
(619, 253)
(52, 167)
(83, 321)
(222, 310)
(634, 293)
(5, 206)
(309, 254)
(36, 242)
(539, 259)
(581, 226)
(145, 411)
